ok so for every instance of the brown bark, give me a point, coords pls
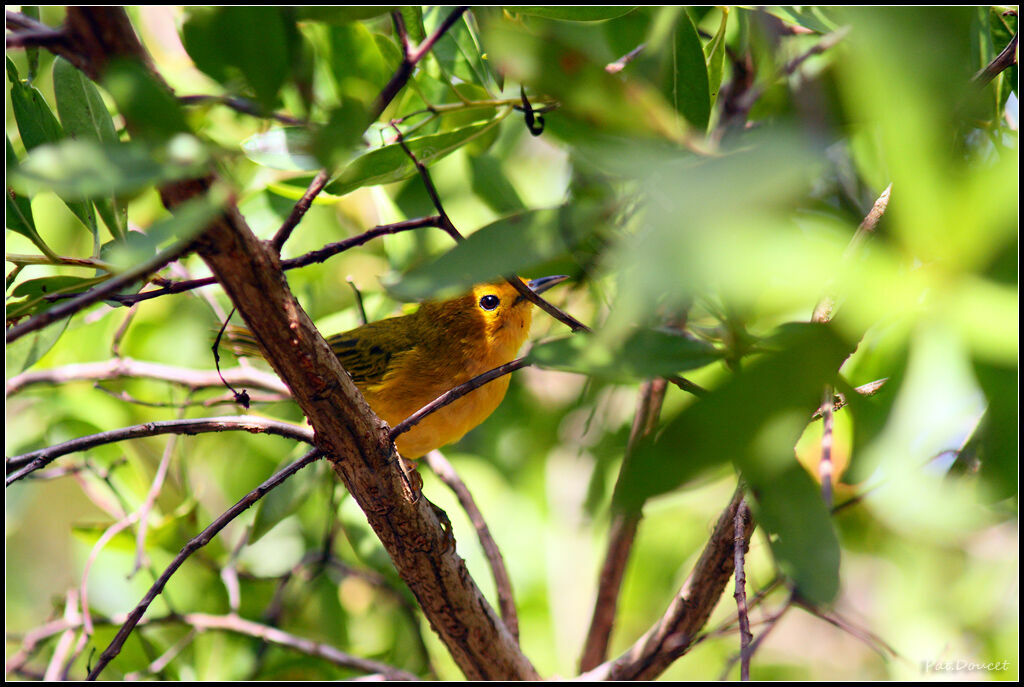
(346, 430)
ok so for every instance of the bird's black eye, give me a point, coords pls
(489, 302)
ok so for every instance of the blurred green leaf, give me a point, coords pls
(341, 139)
(283, 501)
(727, 424)
(816, 19)
(566, 13)
(801, 535)
(144, 102)
(998, 431)
(341, 14)
(517, 244)
(491, 185)
(253, 42)
(391, 163)
(87, 169)
(645, 354)
(358, 66)
(285, 148)
(26, 351)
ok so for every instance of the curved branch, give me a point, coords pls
(127, 367)
(30, 462)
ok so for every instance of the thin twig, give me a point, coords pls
(147, 505)
(241, 105)
(455, 394)
(29, 462)
(620, 64)
(197, 542)
(137, 369)
(300, 209)
(316, 256)
(108, 288)
(1004, 60)
(411, 56)
(502, 582)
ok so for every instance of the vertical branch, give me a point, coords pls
(620, 538)
(739, 546)
(502, 582)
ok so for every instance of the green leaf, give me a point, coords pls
(391, 163)
(413, 16)
(518, 244)
(356, 63)
(490, 183)
(36, 123)
(83, 114)
(801, 535)
(285, 148)
(281, 502)
(19, 210)
(688, 88)
(82, 111)
(342, 14)
(149, 108)
(87, 169)
(808, 16)
(31, 51)
(759, 411)
(34, 292)
(567, 13)
(253, 42)
(715, 53)
(646, 353)
(26, 351)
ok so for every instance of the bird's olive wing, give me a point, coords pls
(367, 353)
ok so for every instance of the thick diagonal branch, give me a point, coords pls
(346, 430)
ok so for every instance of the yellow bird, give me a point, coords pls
(400, 364)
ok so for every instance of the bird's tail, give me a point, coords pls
(240, 341)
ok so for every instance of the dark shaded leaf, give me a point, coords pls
(687, 86)
(645, 354)
(153, 111)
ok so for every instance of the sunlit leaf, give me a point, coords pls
(87, 169)
(391, 163)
